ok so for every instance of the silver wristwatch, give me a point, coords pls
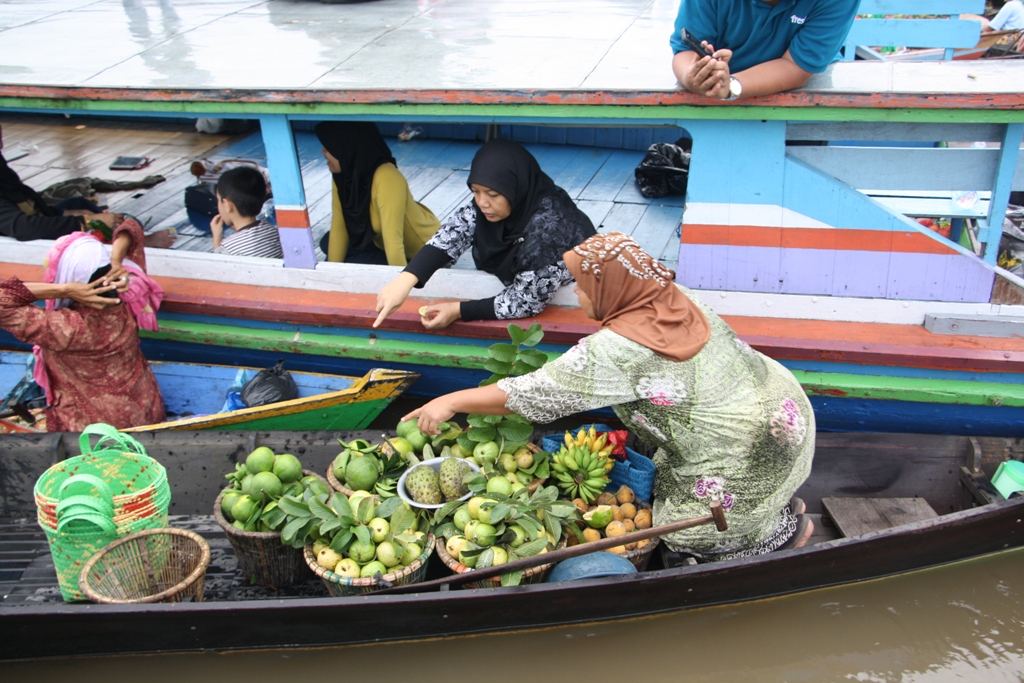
(735, 88)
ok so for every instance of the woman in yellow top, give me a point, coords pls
(374, 218)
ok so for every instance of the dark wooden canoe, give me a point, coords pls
(948, 474)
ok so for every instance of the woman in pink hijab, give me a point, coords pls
(86, 339)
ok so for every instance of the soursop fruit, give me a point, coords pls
(423, 485)
(453, 470)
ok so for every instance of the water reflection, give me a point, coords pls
(959, 623)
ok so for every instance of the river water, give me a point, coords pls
(963, 622)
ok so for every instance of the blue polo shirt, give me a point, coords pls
(812, 30)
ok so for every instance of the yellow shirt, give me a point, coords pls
(401, 225)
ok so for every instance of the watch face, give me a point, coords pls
(735, 87)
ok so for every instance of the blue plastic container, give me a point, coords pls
(637, 471)
(591, 566)
(1009, 477)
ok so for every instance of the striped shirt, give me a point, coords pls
(259, 240)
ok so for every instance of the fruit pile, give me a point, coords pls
(582, 464)
(610, 516)
(497, 525)
(357, 538)
(257, 485)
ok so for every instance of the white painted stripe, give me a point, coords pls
(761, 215)
(467, 284)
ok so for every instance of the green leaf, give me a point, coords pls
(510, 431)
(446, 510)
(330, 526)
(498, 367)
(516, 334)
(512, 578)
(504, 353)
(363, 533)
(493, 419)
(533, 357)
(341, 506)
(499, 512)
(544, 495)
(289, 535)
(388, 507)
(486, 559)
(403, 519)
(293, 508)
(554, 525)
(341, 542)
(482, 434)
(520, 368)
(562, 509)
(321, 511)
(476, 420)
(532, 336)
(531, 548)
(466, 442)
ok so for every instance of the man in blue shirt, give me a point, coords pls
(759, 47)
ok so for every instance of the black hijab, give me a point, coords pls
(17, 192)
(544, 223)
(360, 149)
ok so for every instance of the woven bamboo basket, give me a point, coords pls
(531, 575)
(339, 586)
(154, 565)
(262, 557)
(640, 557)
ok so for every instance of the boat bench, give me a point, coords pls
(859, 516)
(935, 24)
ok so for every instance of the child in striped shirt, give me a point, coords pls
(240, 195)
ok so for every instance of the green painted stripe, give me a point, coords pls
(346, 417)
(398, 353)
(519, 112)
(911, 389)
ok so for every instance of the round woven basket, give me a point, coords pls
(262, 558)
(340, 586)
(531, 575)
(154, 565)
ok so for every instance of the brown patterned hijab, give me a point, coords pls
(635, 295)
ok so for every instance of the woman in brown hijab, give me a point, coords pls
(727, 422)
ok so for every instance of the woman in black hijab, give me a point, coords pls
(374, 218)
(519, 224)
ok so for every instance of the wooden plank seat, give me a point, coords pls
(859, 516)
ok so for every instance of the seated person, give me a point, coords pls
(374, 217)
(88, 359)
(518, 225)
(727, 421)
(1009, 18)
(241, 192)
(25, 215)
(759, 47)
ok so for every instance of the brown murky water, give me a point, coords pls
(959, 623)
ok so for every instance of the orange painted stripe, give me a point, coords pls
(813, 238)
(292, 218)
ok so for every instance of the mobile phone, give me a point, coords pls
(97, 274)
(695, 45)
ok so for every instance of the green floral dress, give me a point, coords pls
(729, 423)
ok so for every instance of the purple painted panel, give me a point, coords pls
(861, 273)
(807, 271)
(753, 269)
(695, 266)
(916, 276)
(967, 279)
(297, 244)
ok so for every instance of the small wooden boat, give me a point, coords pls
(926, 498)
(194, 394)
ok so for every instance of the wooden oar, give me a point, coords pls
(717, 516)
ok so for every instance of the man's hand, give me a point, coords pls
(708, 76)
(440, 316)
(394, 295)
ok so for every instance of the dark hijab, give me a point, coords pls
(360, 149)
(544, 222)
(17, 192)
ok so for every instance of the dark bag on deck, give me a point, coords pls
(270, 386)
(202, 198)
(665, 169)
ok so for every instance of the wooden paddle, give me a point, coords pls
(717, 516)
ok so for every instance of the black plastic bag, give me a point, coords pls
(202, 199)
(270, 386)
(665, 169)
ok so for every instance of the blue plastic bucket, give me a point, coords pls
(1009, 478)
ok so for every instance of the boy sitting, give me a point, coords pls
(240, 196)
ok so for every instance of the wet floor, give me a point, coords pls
(959, 623)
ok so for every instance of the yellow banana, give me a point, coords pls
(581, 437)
(599, 442)
(569, 440)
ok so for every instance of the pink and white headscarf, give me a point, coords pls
(75, 257)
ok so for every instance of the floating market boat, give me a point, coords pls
(899, 503)
(195, 394)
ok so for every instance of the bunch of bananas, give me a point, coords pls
(582, 464)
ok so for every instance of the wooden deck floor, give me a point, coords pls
(600, 179)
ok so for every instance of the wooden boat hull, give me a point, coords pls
(326, 401)
(850, 463)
